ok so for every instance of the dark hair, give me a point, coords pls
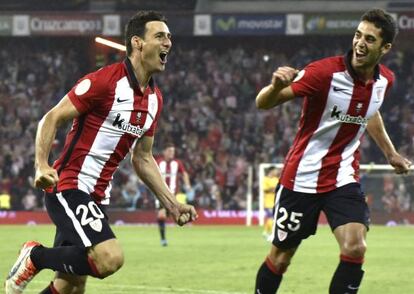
(169, 145)
(136, 26)
(383, 21)
(269, 169)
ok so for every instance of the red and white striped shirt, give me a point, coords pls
(114, 114)
(335, 113)
(171, 172)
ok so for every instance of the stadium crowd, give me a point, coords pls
(209, 113)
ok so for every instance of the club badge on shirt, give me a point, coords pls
(83, 87)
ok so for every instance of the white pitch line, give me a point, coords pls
(128, 288)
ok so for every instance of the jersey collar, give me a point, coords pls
(348, 59)
(133, 79)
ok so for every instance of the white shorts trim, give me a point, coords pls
(74, 220)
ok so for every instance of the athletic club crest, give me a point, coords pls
(96, 225)
(139, 114)
(281, 234)
(359, 107)
(379, 95)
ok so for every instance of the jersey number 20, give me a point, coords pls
(93, 208)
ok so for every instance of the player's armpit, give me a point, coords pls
(63, 111)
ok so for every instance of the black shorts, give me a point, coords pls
(296, 214)
(78, 218)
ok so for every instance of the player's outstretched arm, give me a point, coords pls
(279, 90)
(46, 176)
(377, 131)
(147, 169)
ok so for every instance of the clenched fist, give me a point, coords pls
(283, 76)
(183, 213)
(45, 177)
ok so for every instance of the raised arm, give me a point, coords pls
(279, 90)
(147, 169)
(46, 176)
(377, 131)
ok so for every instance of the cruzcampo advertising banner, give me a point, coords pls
(342, 23)
(60, 24)
(244, 24)
(6, 24)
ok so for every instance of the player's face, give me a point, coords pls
(169, 153)
(367, 46)
(156, 46)
(274, 173)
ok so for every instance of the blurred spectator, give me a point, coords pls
(5, 203)
(29, 201)
(390, 201)
(131, 192)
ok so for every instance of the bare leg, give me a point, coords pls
(348, 275)
(69, 284)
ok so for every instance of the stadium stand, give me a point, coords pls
(209, 89)
(209, 111)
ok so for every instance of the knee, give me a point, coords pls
(71, 289)
(280, 262)
(356, 249)
(78, 289)
(281, 265)
(109, 262)
(70, 285)
(162, 215)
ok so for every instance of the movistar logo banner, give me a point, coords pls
(346, 118)
(226, 24)
(249, 24)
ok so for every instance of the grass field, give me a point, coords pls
(224, 260)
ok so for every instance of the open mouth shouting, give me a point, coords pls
(163, 57)
(360, 54)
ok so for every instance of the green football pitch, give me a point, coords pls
(224, 260)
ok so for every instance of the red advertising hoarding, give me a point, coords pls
(206, 217)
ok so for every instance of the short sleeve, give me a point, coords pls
(152, 129)
(157, 159)
(181, 167)
(88, 92)
(309, 81)
(391, 78)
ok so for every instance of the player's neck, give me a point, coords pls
(141, 74)
(365, 75)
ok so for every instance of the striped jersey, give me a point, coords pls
(114, 113)
(335, 113)
(171, 171)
